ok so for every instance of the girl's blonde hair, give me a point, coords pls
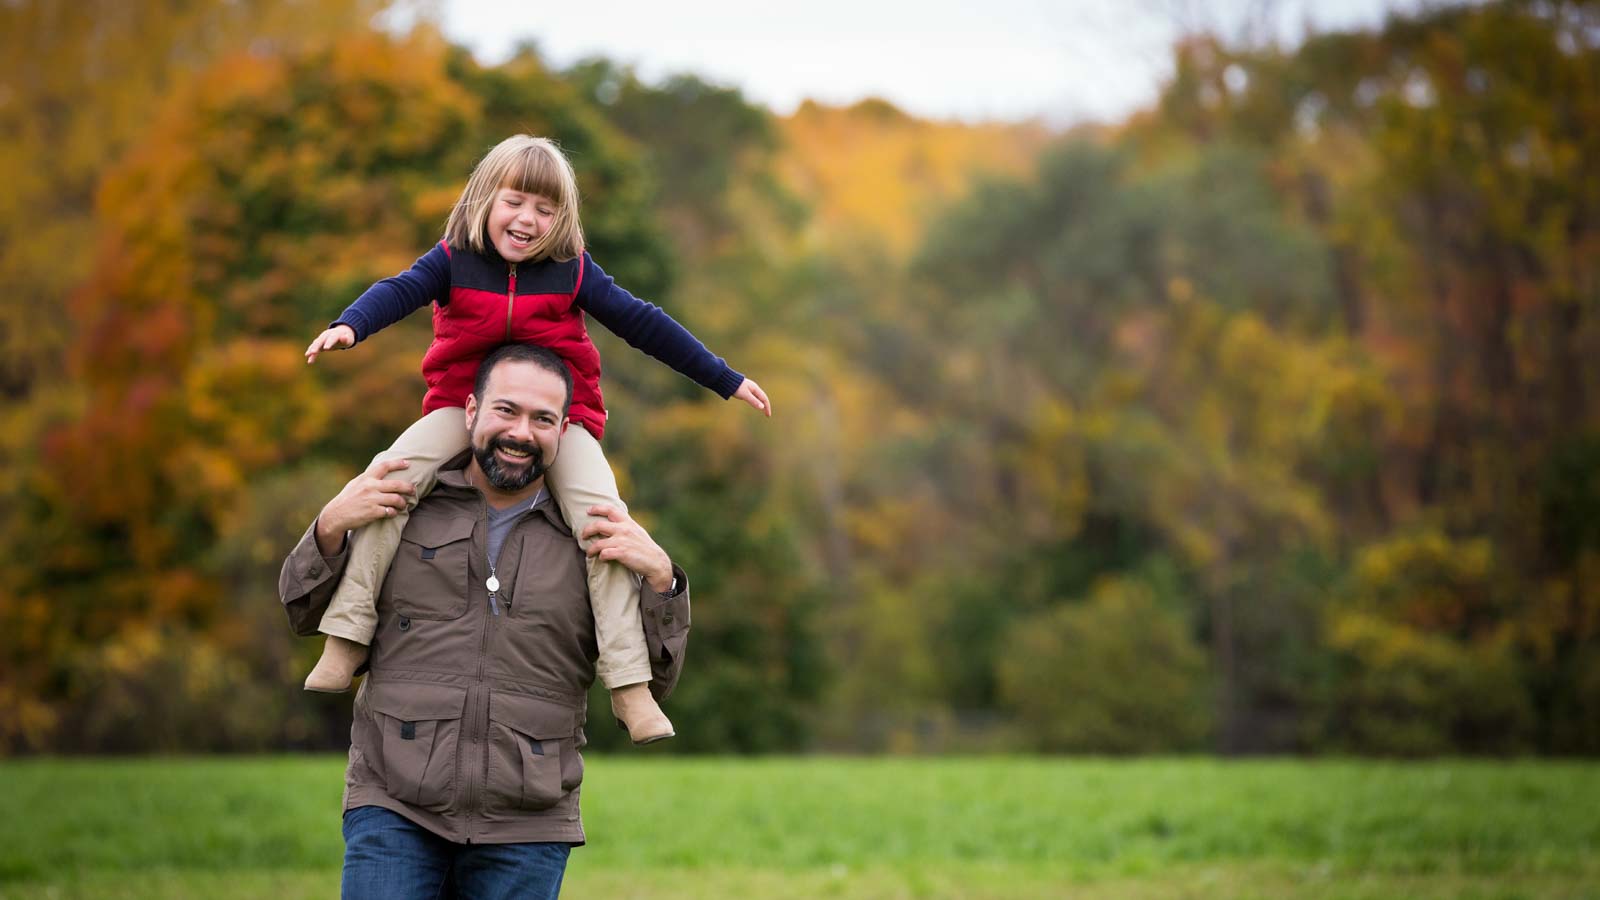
(533, 165)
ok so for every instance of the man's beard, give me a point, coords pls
(502, 477)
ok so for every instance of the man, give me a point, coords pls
(464, 765)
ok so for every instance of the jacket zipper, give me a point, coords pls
(479, 712)
(511, 300)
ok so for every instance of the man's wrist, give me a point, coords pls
(662, 581)
(330, 542)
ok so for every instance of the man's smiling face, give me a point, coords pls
(516, 426)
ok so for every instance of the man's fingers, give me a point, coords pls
(606, 511)
(606, 550)
(383, 467)
(601, 529)
(395, 487)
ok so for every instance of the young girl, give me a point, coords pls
(512, 267)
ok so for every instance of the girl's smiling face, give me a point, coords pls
(517, 221)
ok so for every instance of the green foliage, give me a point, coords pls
(1115, 673)
(1426, 654)
(1405, 692)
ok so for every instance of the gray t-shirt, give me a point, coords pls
(501, 520)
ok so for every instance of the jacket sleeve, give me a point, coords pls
(392, 299)
(647, 328)
(307, 582)
(666, 632)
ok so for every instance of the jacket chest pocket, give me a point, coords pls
(419, 728)
(552, 586)
(431, 575)
(533, 752)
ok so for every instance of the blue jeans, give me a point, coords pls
(388, 857)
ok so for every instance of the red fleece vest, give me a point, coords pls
(494, 303)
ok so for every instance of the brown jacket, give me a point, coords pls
(470, 720)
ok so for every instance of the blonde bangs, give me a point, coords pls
(524, 163)
(541, 169)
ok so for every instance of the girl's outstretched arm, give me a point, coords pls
(391, 300)
(648, 328)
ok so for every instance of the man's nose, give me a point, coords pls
(521, 430)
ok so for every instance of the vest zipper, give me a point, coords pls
(511, 300)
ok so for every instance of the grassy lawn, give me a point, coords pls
(828, 827)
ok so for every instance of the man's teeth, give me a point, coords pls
(519, 454)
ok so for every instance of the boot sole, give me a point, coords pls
(649, 740)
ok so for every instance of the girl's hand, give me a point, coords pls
(751, 393)
(332, 339)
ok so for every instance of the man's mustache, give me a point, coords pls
(534, 451)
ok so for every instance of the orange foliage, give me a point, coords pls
(871, 170)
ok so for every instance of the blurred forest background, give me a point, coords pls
(1266, 420)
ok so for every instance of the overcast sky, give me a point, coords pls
(1060, 60)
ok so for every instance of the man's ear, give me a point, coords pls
(472, 409)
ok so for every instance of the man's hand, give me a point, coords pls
(368, 497)
(751, 393)
(617, 538)
(332, 339)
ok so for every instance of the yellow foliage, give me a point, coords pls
(870, 170)
(1050, 462)
(24, 719)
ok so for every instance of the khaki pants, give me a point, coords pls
(579, 478)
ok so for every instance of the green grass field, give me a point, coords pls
(662, 827)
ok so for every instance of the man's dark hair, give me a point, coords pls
(528, 353)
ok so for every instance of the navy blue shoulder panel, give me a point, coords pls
(478, 272)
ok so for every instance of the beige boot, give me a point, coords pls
(637, 712)
(340, 659)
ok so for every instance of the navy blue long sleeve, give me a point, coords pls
(643, 325)
(647, 328)
(392, 299)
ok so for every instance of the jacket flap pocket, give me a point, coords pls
(431, 532)
(416, 701)
(535, 717)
